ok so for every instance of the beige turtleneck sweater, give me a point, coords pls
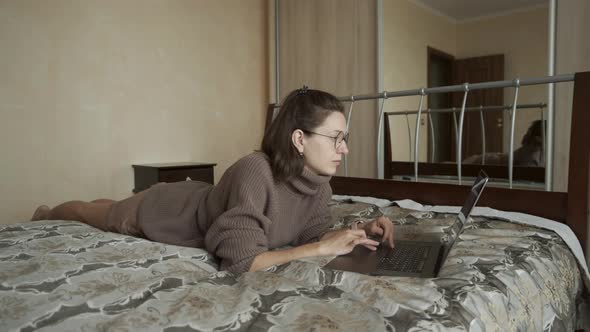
(245, 214)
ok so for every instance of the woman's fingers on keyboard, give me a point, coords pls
(372, 248)
(368, 242)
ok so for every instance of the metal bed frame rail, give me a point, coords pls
(455, 110)
(465, 88)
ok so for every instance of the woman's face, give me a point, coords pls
(323, 154)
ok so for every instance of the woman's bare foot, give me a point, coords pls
(42, 213)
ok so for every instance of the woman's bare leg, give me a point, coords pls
(93, 214)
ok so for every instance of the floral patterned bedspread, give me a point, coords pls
(499, 276)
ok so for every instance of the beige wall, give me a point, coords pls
(409, 29)
(522, 38)
(88, 88)
(331, 45)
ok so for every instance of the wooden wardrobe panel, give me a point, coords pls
(332, 45)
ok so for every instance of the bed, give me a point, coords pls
(499, 275)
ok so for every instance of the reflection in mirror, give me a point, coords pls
(438, 43)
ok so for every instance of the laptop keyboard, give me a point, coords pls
(405, 259)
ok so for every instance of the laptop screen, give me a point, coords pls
(473, 196)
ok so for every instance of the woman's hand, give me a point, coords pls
(343, 242)
(380, 227)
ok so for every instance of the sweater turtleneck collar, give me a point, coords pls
(308, 182)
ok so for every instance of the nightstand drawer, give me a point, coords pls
(147, 175)
(196, 174)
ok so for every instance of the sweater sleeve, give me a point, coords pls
(238, 235)
(321, 220)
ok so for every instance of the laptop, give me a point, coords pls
(408, 258)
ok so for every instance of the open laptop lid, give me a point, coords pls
(474, 193)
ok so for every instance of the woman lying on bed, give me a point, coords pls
(266, 200)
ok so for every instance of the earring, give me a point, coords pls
(301, 154)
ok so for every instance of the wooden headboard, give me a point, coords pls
(570, 208)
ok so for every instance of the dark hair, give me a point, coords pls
(304, 109)
(534, 135)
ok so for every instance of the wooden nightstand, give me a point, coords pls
(147, 175)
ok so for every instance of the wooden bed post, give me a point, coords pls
(579, 163)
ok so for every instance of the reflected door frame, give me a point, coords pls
(444, 69)
(441, 63)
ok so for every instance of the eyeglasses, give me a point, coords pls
(338, 139)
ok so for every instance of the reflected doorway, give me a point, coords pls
(440, 70)
(443, 69)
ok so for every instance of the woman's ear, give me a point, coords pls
(297, 139)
